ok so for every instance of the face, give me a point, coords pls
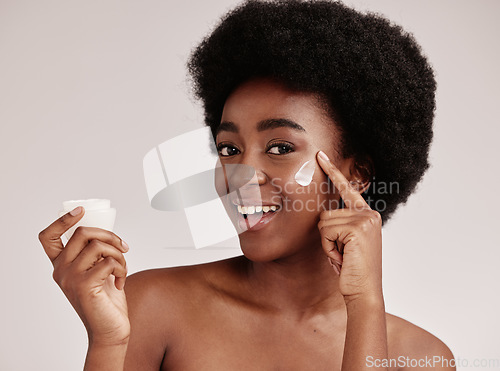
(275, 130)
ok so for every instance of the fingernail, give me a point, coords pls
(323, 156)
(77, 210)
(125, 246)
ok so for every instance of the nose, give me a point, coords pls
(246, 173)
(240, 176)
(250, 160)
(261, 177)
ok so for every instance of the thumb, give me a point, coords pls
(50, 237)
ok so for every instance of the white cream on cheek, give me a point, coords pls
(305, 174)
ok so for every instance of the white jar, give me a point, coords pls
(98, 214)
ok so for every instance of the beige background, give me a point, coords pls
(88, 87)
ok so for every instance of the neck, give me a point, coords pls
(305, 285)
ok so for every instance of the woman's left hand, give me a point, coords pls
(352, 239)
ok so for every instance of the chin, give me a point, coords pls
(262, 250)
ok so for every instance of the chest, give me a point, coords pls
(244, 341)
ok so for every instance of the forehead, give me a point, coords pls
(262, 99)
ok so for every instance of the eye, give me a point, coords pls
(279, 148)
(226, 150)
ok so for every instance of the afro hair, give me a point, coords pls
(371, 73)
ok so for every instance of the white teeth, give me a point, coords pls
(255, 209)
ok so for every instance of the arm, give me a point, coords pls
(366, 334)
(150, 307)
(352, 239)
(144, 349)
(106, 357)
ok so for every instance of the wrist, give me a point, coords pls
(372, 301)
(108, 343)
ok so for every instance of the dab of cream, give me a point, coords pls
(305, 174)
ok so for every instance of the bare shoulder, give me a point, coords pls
(172, 288)
(413, 346)
(173, 282)
(161, 302)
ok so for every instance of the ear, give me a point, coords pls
(361, 172)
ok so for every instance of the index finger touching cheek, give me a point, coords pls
(50, 237)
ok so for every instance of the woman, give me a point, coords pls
(282, 83)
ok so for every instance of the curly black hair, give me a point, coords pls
(373, 75)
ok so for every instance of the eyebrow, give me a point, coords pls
(263, 125)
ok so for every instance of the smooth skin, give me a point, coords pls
(306, 295)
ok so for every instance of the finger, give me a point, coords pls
(340, 247)
(83, 236)
(335, 265)
(94, 252)
(120, 282)
(352, 198)
(108, 266)
(338, 213)
(50, 237)
(329, 222)
(325, 223)
(329, 239)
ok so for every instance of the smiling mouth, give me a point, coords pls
(253, 218)
(262, 210)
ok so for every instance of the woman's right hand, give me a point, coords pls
(91, 271)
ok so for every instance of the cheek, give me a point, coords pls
(294, 198)
(319, 195)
